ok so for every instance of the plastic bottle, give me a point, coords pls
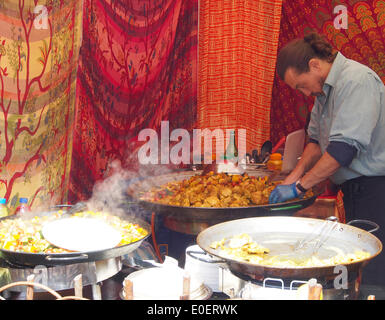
(275, 162)
(3, 208)
(23, 207)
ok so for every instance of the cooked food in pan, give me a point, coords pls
(24, 235)
(242, 248)
(215, 190)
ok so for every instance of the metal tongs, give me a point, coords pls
(314, 241)
(307, 247)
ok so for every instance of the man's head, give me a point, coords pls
(305, 63)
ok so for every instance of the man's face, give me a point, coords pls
(309, 83)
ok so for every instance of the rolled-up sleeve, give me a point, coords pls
(357, 109)
(342, 152)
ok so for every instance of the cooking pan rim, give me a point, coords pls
(280, 204)
(300, 268)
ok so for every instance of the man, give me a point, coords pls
(346, 133)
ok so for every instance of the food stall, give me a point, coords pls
(149, 150)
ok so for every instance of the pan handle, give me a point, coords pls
(371, 223)
(191, 254)
(75, 259)
(60, 206)
(295, 206)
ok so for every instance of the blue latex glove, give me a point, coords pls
(283, 192)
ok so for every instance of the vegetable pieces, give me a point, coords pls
(215, 190)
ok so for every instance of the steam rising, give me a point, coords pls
(110, 195)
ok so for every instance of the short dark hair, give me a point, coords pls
(297, 53)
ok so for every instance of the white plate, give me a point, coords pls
(81, 234)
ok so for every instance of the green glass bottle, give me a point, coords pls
(231, 150)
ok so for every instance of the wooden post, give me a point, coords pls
(315, 290)
(78, 281)
(29, 295)
(186, 287)
(128, 288)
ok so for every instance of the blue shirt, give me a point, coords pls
(352, 111)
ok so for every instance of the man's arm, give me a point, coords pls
(310, 156)
(323, 169)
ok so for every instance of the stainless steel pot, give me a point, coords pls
(263, 230)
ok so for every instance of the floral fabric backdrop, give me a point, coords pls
(137, 68)
(363, 41)
(39, 46)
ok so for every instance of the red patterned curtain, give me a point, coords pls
(363, 41)
(137, 68)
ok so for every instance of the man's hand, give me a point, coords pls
(309, 157)
(283, 192)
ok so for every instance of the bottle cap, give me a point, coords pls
(276, 156)
(23, 200)
(3, 201)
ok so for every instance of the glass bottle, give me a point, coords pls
(231, 150)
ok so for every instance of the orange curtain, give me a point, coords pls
(237, 54)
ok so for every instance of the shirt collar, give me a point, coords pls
(335, 70)
(332, 77)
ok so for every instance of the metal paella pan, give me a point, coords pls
(20, 258)
(195, 219)
(278, 232)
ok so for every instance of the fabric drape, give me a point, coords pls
(39, 46)
(138, 66)
(237, 54)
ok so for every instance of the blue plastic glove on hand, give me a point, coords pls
(283, 192)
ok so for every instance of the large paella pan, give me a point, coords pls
(193, 219)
